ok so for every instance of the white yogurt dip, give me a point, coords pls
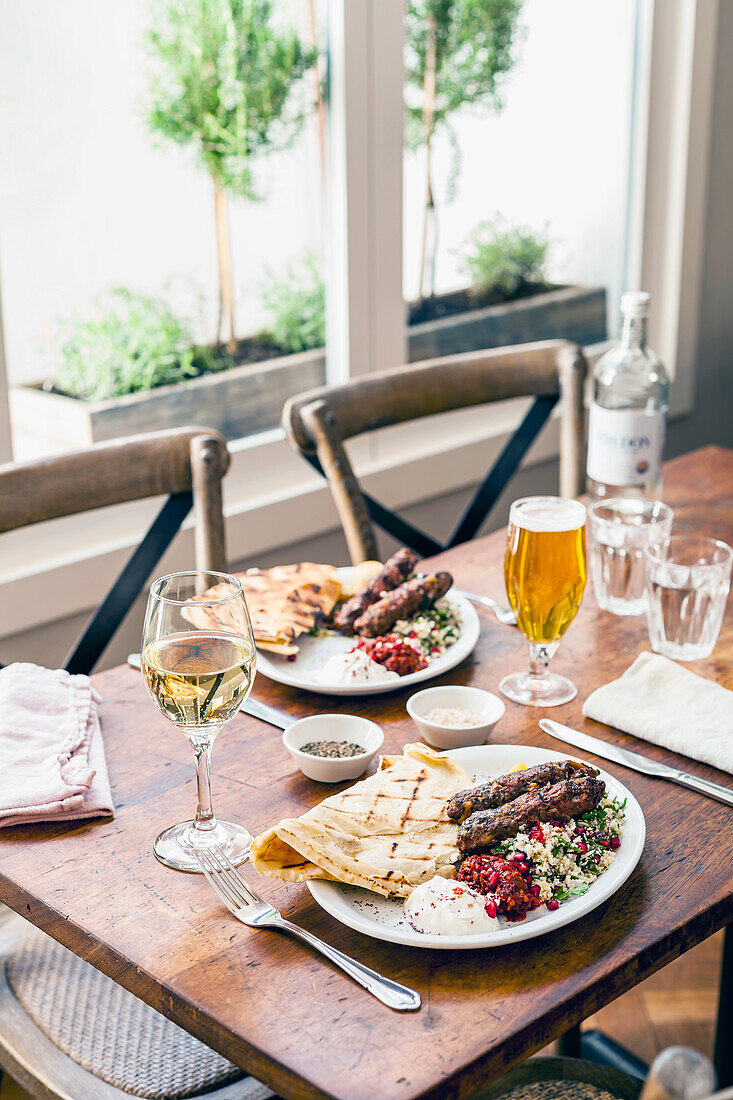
(353, 668)
(443, 907)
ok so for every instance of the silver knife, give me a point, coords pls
(635, 762)
(250, 706)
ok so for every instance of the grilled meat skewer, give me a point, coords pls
(569, 798)
(505, 788)
(401, 603)
(392, 575)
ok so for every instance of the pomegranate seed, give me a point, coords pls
(603, 843)
(493, 879)
(579, 831)
(615, 842)
(491, 908)
(519, 857)
(552, 904)
(535, 891)
(583, 847)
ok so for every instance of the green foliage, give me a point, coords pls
(297, 306)
(132, 343)
(500, 257)
(222, 79)
(474, 48)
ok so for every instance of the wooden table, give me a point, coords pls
(282, 1013)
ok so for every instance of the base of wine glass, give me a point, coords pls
(176, 846)
(548, 690)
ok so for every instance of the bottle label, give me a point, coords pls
(625, 445)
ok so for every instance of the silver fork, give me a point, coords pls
(247, 906)
(504, 614)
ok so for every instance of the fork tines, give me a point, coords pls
(225, 879)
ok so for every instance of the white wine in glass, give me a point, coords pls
(198, 662)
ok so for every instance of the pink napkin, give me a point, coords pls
(52, 765)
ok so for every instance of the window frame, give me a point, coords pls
(271, 497)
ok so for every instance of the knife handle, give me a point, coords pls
(704, 786)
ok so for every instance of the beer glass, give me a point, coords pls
(198, 662)
(544, 572)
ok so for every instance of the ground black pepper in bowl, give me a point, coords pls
(333, 749)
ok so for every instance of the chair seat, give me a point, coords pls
(108, 1031)
(558, 1090)
(562, 1079)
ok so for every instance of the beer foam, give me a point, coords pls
(547, 514)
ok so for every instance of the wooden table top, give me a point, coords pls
(282, 1013)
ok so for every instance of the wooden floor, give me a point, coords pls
(675, 1006)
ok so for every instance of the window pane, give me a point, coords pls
(530, 185)
(102, 191)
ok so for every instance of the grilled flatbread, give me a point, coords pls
(388, 833)
(284, 602)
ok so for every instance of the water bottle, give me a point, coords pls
(629, 412)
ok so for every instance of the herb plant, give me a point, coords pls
(223, 79)
(132, 343)
(297, 306)
(456, 52)
(500, 258)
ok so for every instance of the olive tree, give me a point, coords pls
(456, 52)
(223, 79)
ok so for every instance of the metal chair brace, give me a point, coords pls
(484, 498)
(99, 630)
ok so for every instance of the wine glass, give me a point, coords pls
(198, 662)
(544, 571)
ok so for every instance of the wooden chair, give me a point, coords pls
(66, 1031)
(318, 422)
(186, 464)
(678, 1073)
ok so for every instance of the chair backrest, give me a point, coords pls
(317, 423)
(186, 464)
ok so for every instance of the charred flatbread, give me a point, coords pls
(284, 602)
(388, 833)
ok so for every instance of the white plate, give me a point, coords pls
(383, 919)
(314, 652)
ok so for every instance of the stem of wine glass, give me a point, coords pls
(204, 819)
(540, 654)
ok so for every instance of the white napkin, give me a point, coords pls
(662, 702)
(52, 765)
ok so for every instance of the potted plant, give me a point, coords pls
(223, 81)
(457, 54)
(226, 79)
(132, 365)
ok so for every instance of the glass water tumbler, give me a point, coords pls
(620, 530)
(687, 578)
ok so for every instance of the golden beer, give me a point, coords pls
(544, 566)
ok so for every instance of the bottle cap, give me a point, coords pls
(635, 302)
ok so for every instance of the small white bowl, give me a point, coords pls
(333, 727)
(489, 706)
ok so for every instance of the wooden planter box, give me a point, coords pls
(249, 398)
(568, 313)
(238, 402)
